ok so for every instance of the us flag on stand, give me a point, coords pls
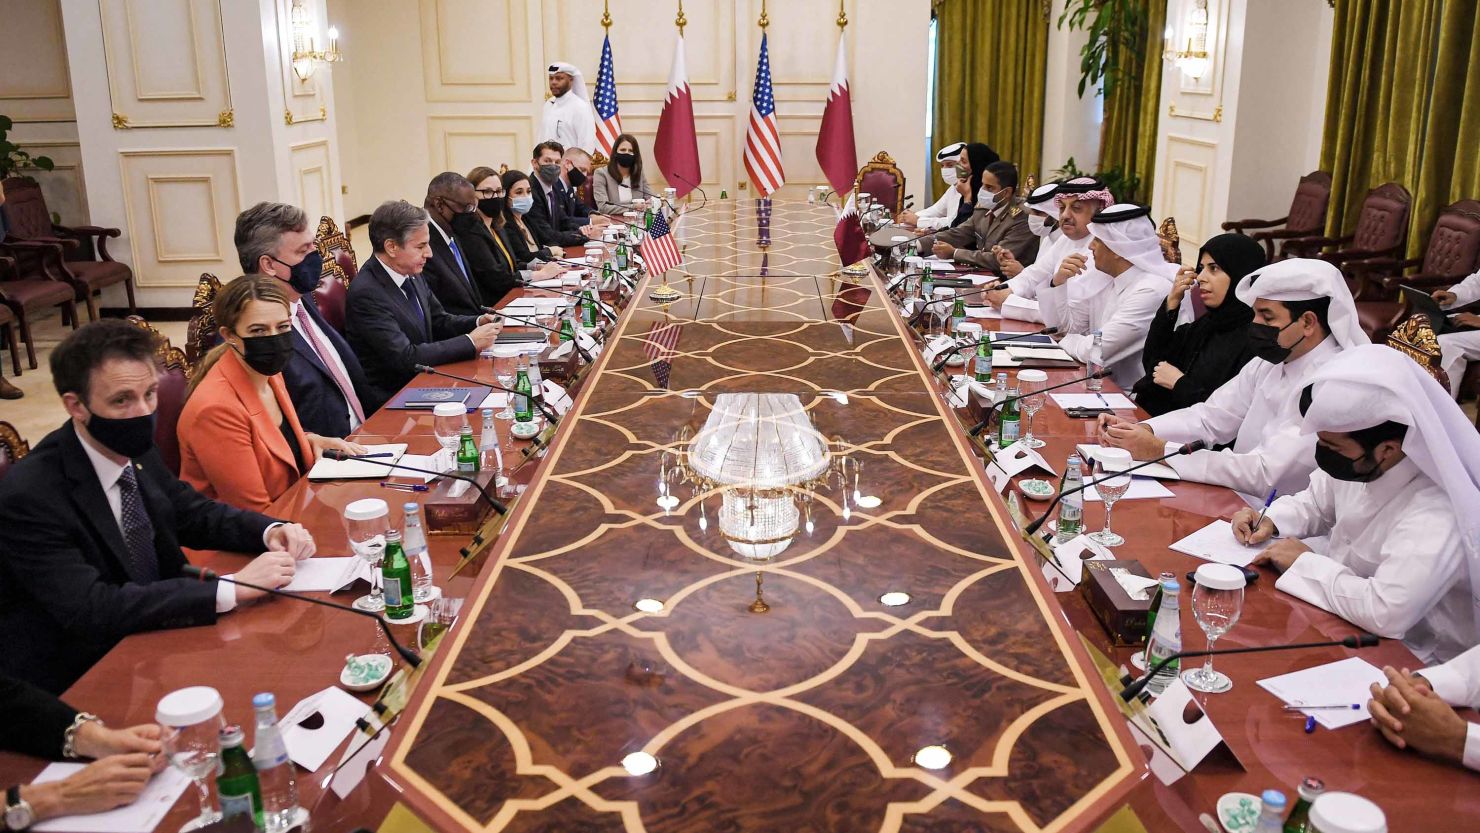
(608, 120)
(762, 139)
(660, 346)
(658, 250)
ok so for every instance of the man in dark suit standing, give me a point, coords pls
(94, 522)
(549, 218)
(324, 378)
(452, 205)
(394, 320)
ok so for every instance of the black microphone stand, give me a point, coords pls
(1195, 445)
(944, 357)
(1360, 640)
(539, 402)
(951, 300)
(206, 575)
(498, 506)
(981, 426)
(525, 322)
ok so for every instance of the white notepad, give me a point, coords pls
(359, 469)
(1142, 488)
(142, 816)
(1037, 352)
(1345, 682)
(1215, 542)
(1115, 401)
(1160, 471)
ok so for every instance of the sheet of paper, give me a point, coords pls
(1071, 556)
(1160, 471)
(1017, 458)
(495, 400)
(1090, 400)
(358, 756)
(556, 397)
(358, 469)
(1344, 682)
(142, 816)
(982, 312)
(978, 280)
(309, 748)
(1025, 352)
(1215, 542)
(325, 574)
(547, 283)
(1190, 742)
(1142, 488)
(439, 461)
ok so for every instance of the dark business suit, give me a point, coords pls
(35, 723)
(448, 280)
(519, 247)
(66, 595)
(494, 270)
(392, 337)
(551, 229)
(317, 399)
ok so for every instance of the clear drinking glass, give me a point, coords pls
(506, 369)
(1216, 606)
(448, 420)
(1030, 386)
(190, 735)
(1113, 488)
(441, 613)
(365, 523)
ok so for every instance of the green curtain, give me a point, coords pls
(991, 63)
(1133, 107)
(1397, 110)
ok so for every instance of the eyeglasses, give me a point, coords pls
(489, 193)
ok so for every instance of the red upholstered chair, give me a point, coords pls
(1307, 215)
(76, 255)
(1382, 232)
(339, 255)
(22, 298)
(331, 296)
(882, 180)
(1452, 254)
(174, 381)
(200, 334)
(12, 448)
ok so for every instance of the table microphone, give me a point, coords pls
(336, 454)
(527, 322)
(1360, 640)
(981, 426)
(1046, 331)
(539, 402)
(951, 300)
(600, 305)
(206, 575)
(1195, 445)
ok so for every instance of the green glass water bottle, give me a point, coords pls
(395, 575)
(589, 318)
(984, 360)
(467, 451)
(236, 779)
(523, 397)
(927, 283)
(567, 328)
(1009, 427)
(621, 255)
(958, 314)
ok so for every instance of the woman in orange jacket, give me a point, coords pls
(240, 440)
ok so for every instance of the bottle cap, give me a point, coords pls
(410, 507)
(366, 509)
(265, 700)
(1311, 788)
(487, 412)
(1346, 813)
(1273, 799)
(232, 736)
(1221, 577)
(188, 706)
(466, 429)
(1172, 586)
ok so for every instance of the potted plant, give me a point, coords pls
(13, 160)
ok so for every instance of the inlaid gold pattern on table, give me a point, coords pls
(804, 717)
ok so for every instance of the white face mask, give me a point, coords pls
(1039, 225)
(986, 199)
(948, 173)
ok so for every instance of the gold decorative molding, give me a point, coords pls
(842, 14)
(287, 116)
(1216, 116)
(730, 96)
(120, 121)
(680, 21)
(323, 112)
(227, 118)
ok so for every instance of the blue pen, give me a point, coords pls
(405, 487)
(1259, 520)
(375, 456)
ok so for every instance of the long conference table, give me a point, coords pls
(897, 662)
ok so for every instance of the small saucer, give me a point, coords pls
(418, 613)
(1035, 489)
(373, 670)
(525, 430)
(1239, 812)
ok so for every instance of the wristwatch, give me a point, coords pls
(18, 813)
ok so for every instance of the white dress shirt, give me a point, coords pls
(108, 474)
(319, 337)
(1457, 683)
(1022, 304)
(1395, 562)
(570, 121)
(1259, 411)
(1121, 308)
(941, 214)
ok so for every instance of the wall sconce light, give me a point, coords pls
(1193, 61)
(306, 57)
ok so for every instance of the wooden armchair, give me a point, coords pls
(200, 335)
(1453, 253)
(882, 180)
(1171, 241)
(24, 297)
(8, 341)
(75, 255)
(1415, 339)
(1382, 232)
(174, 382)
(12, 448)
(1307, 216)
(340, 267)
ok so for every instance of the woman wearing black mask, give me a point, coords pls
(492, 256)
(621, 181)
(1186, 360)
(973, 163)
(240, 439)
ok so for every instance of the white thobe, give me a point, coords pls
(941, 214)
(1395, 564)
(1457, 683)
(570, 121)
(1259, 411)
(1121, 308)
(1457, 350)
(1022, 304)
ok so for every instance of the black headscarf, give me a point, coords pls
(1237, 255)
(979, 156)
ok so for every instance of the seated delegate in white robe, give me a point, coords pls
(1457, 350)
(1397, 492)
(1258, 410)
(1077, 202)
(1118, 298)
(1423, 721)
(943, 212)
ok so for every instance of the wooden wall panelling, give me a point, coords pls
(35, 80)
(180, 206)
(166, 63)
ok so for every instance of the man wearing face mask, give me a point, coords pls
(1304, 316)
(998, 221)
(943, 213)
(323, 376)
(1075, 202)
(549, 216)
(94, 522)
(1397, 492)
(1042, 221)
(452, 206)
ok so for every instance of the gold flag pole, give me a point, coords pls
(680, 21)
(842, 14)
(606, 16)
(663, 293)
(764, 21)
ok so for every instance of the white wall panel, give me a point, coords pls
(181, 206)
(35, 83)
(166, 63)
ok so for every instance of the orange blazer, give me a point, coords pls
(230, 449)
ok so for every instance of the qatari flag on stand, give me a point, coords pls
(835, 149)
(848, 236)
(677, 147)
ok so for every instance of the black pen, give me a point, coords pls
(405, 487)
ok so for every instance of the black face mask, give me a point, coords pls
(305, 276)
(549, 173)
(491, 206)
(267, 355)
(131, 436)
(576, 177)
(465, 223)
(1345, 468)
(625, 160)
(1266, 341)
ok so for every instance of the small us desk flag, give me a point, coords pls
(658, 249)
(608, 120)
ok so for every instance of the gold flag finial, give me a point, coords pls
(764, 21)
(842, 14)
(606, 16)
(680, 21)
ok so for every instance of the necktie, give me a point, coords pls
(138, 530)
(410, 289)
(462, 265)
(310, 334)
